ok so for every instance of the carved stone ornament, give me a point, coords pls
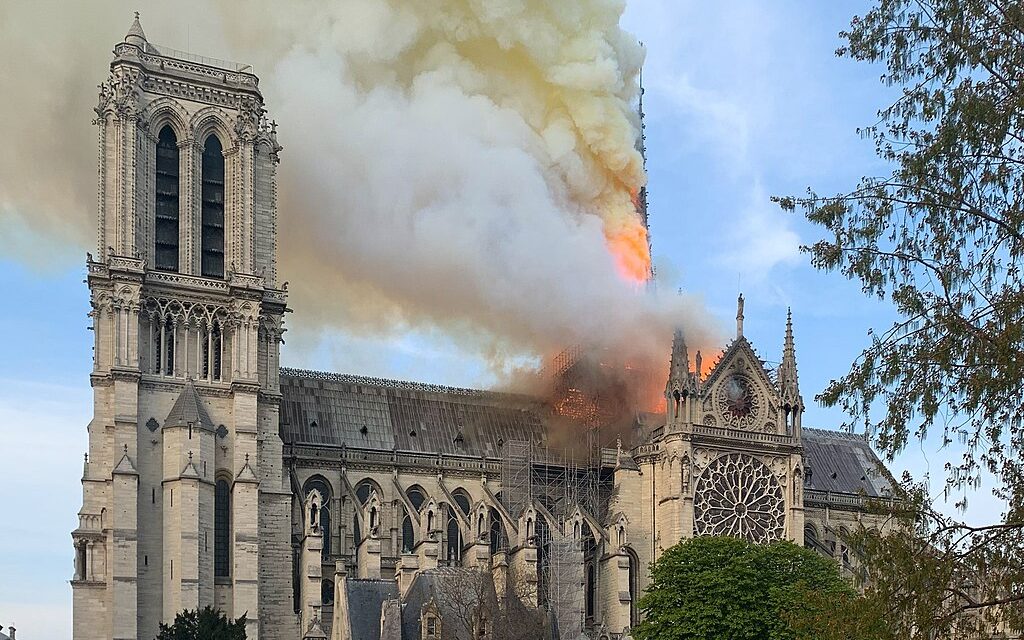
(738, 402)
(702, 458)
(119, 93)
(739, 496)
(152, 425)
(247, 123)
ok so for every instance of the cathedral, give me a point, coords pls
(328, 505)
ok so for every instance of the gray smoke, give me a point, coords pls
(453, 164)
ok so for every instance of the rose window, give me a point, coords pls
(738, 496)
(737, 401)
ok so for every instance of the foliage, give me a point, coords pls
(500, 602)
(942, 238)
(205, 624)
(730, 589)
(930, 576)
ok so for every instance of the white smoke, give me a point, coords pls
(458, 164)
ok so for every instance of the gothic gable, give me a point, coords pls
(739, 393)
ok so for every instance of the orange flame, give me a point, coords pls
(628, 245)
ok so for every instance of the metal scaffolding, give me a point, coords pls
(556, 483)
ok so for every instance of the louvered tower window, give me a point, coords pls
(212, 247)
(167, 232)
(222, 530)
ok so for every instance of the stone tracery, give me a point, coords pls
(737, 495)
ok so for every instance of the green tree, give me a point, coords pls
(941, 237)
(205, 624)
(729, 589)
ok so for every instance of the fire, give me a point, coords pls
(628, 245)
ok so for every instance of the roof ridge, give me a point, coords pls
(836, 432)
(406, 385)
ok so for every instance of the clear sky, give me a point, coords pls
(744, 99)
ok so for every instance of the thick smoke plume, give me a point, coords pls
(467, 165)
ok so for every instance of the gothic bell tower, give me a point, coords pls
(183, 488)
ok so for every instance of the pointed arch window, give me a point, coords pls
(166, 341)
(222, 529)
(167, 232)
(320, 484)
(212, 240)
(408, 535)
(543, 561)
(211, 351)
(498, 539)
(634, 587)
(454, 540)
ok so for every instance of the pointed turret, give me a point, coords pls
(136, 35)
(679, 370)
(680, 381)
(789, 386)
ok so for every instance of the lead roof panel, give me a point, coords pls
(365, 599)
(844, 463)
(336, 409)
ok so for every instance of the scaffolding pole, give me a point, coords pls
(559, 483)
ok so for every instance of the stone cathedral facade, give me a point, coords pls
(330, 505)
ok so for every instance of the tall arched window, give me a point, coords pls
(543, 561)
(167, 184)
(325, 528)
(212, 242)
(408, 535)
(320, 484)
(211, 351)
(169, 338)
(499, 541)
(222, 529)
(634, 587)
(589, 545)
(454, 539)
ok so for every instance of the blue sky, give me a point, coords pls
(744, 100)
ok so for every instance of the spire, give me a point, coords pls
(680, 364)
(739, 317)
(788, 384)
(135, 33)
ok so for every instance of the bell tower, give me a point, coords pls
(183, 487)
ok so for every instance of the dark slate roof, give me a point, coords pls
(189, 407)
(334, 409)
(365, 599)
(844, 463)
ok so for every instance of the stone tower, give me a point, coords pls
(184, 496)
